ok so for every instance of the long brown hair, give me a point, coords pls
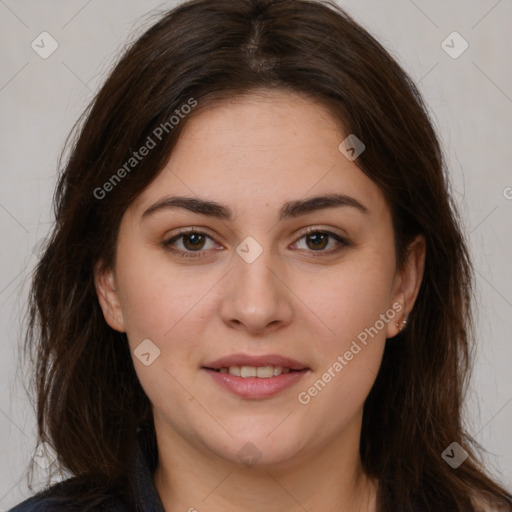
(88, 398)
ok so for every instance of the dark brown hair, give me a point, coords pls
(89, 400)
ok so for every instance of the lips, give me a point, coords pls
(255, 361)
(255, 377)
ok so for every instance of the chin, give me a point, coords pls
(259, 450)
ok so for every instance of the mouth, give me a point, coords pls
(260, 372)
(246, 364)
(255, 377)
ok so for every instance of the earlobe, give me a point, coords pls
(106, 289)
(407, 284)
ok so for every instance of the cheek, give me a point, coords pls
(351, 299)
(167, 307)
(354, 306)
(170, 307)
(350, 352)
(158, 299)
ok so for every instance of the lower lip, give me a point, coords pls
(254, 387)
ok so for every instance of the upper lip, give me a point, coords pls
(261, 360)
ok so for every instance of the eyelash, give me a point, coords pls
(167, 244)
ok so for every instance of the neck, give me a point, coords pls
(191, 478)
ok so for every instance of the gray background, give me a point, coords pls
(470, 98)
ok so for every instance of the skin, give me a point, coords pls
(253, 154)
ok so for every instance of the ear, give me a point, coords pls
(106, 289)
(407, 283)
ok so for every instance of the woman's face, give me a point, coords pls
(252, 283)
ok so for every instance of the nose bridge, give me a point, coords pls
(255, 281)
(257, 277)
(256, 296)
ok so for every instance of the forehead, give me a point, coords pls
(261, 148)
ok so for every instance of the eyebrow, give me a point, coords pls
(290, 209)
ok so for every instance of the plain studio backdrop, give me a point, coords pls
(44, 86)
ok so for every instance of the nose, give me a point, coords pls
(256, 297)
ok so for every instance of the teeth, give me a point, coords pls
(248, 371)
(262, 372)
(234, 370)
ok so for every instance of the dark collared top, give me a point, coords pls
(142, 493)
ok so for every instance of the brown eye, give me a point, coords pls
(193, 241)
(318, 240)
(189, 244)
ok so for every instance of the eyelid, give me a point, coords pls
(316, 229)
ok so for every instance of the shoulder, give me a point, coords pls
(69, 496)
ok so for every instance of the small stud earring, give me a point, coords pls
(403, 323)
